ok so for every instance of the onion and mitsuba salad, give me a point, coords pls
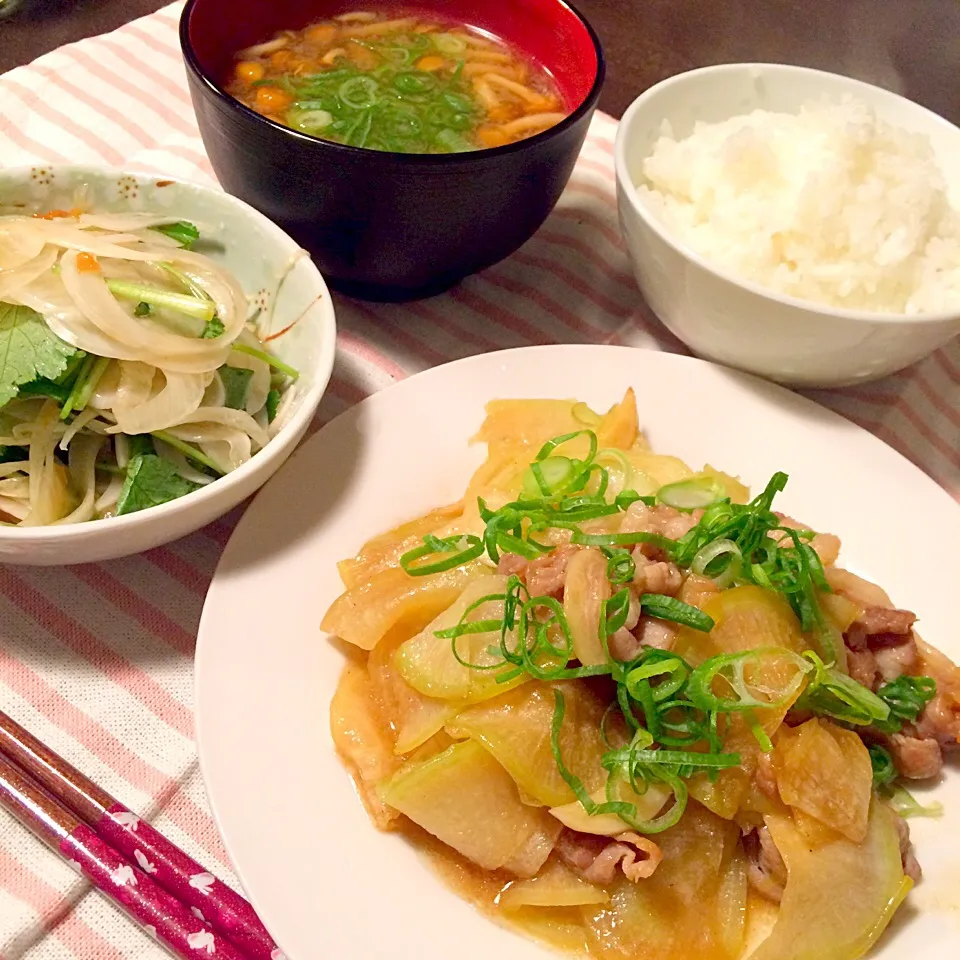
(634, 711)
(130, 373)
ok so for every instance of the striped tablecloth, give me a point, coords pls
(97, 660)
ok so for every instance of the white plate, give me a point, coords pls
(326, 883)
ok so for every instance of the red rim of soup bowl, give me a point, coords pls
(576, 64)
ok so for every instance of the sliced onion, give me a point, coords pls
(67, 233)
(180, 396)
(121, 450)
(184, 468)
(196, 421)
(20, 242)
(108, 499)
(78, 423)
(13, 280)
(83, 473)
(126, 222)
(709, 553)
(18, 509)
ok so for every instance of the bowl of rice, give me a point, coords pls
(793, 223)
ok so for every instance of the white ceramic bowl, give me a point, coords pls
(260, 254)
(739, 323)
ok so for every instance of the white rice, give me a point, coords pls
(831, 205)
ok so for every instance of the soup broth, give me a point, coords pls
(406, 84)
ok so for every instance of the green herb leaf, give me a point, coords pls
(142, 309)
(184, 232)
(140, 444)
(213, 329)
(272, 405)
(151, 481)
(236, 383)
(28, 349)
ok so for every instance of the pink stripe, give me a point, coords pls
(400, 336)
(345, 390)
(55, 910)
(577, 185)
(619, 275)
(593, 294)
(948, 368)
(579, 214)
(124, 123)
(365, 351)
(451, 326)
(946, 450)
(152, 103)
(110, 751)
(43, 109)
(136, 681)
(175, 567)
(138, 608)
(551, 306)
(497, 314)
(34, 147)
(153, 42)
(155, 78)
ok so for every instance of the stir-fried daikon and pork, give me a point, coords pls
(644, 714)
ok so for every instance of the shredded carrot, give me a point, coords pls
(431, 63)
(87, 263)
(58, 214)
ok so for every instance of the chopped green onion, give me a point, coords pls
(833, 694)
(906, 805)
(721, 560)
(692, 494)
(669, 608)
(461, 550)
(906, 697)
(884, 771)
(731, 667)
(142, 309)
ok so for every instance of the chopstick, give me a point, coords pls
(209, 899)
(159, 914)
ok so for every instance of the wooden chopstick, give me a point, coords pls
(159, 914)
(209, 899)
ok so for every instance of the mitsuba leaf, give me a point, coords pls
(151, 481)
(28, 349)
(236, 383)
